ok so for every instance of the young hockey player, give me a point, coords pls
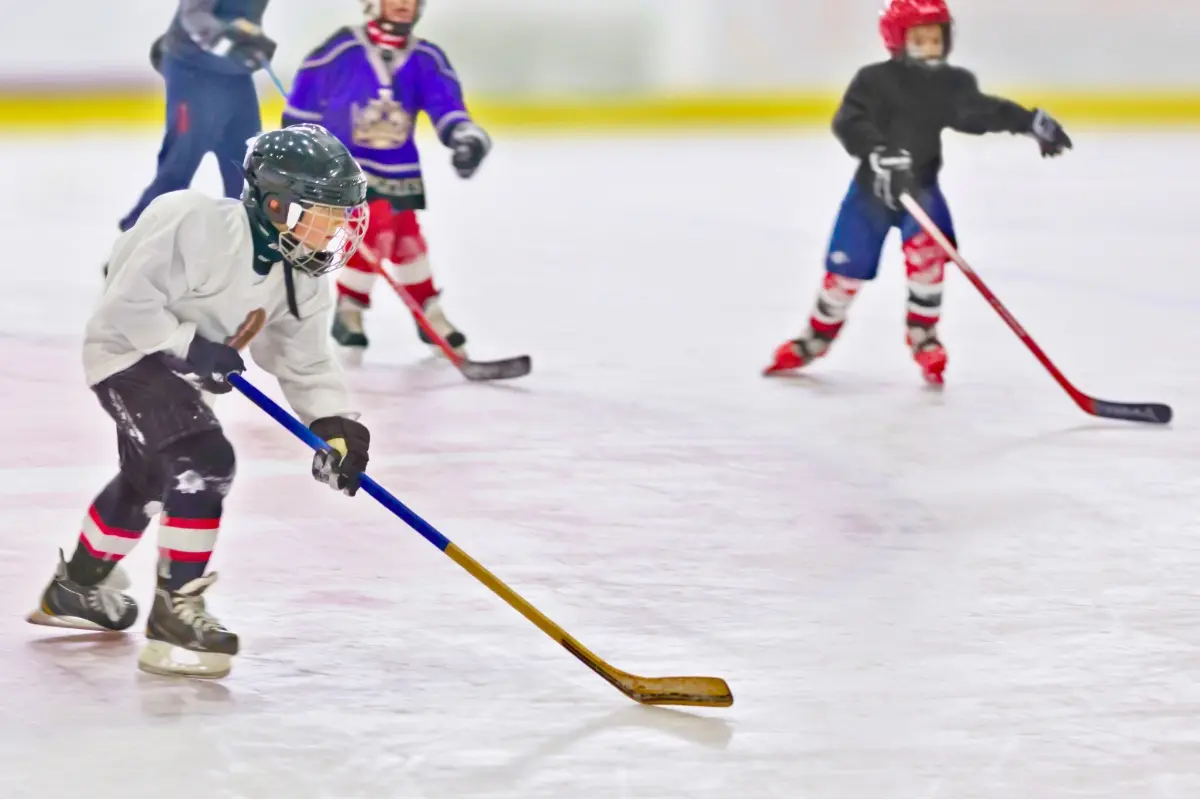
(891, 118)
(367, 84)
(207, 57)
(181, 282)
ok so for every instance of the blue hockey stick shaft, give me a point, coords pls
(274, 78)
(369, 485)
(673, 691)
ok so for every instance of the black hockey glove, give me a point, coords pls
(341, 467)
(214, 363)
(471, 145)
(244, 42)
(893, 174)
(1049, 134)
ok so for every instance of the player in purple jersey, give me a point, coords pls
(366, 84)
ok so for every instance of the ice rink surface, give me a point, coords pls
(981, 592)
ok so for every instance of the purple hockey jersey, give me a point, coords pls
(369, 97)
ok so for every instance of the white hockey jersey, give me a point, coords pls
(186, 268)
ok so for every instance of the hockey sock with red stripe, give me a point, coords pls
(113, 525)
(201, 470)
(925, 264)
(832, 306)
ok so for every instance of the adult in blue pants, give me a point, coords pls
(207, 58)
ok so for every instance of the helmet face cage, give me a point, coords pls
(321, 238)
(372, 9)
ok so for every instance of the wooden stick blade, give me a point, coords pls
(676, 691)
(707, 692)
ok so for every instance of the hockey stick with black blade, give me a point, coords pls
(674, 691)
(503, 369)
(1153, 413)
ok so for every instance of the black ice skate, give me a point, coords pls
(348, 325)
(437, 318)
(67, 604)
(178, 621)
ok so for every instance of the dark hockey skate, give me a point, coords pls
(67, 604)
(437, 318)
(348, 325)
(178, 621)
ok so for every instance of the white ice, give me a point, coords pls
(982, 592)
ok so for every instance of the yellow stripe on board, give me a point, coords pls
(64, 111)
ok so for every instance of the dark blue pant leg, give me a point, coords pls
(192, 130)
(862, 226)
(933, 203)
(244, 121)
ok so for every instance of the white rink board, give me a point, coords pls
(978, 593)
(551, 46)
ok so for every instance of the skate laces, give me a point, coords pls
(108, 601)
(188, 604)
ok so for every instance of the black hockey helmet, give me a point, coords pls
(373, 9)
(303, 185)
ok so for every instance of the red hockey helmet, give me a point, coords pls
(900, 15)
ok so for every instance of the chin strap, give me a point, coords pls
(389, 34)
(289, 282)
(267, 254)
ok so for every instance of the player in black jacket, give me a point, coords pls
(891, 118)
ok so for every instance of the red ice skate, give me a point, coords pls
(930, 356)
(796, 354)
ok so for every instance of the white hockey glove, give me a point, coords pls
(893, 174)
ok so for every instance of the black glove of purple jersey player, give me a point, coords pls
(893, 174)
(1049, 134)
(471, 145)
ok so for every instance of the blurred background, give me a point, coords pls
(583, 64)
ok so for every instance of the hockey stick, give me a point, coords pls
(678, 691)
(516, 367)
(505, 368)
(1153, 413)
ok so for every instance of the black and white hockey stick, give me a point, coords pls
(504, 369)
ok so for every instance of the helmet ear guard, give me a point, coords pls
(275, 209)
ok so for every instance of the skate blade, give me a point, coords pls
(158, 658)
(42, 617)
